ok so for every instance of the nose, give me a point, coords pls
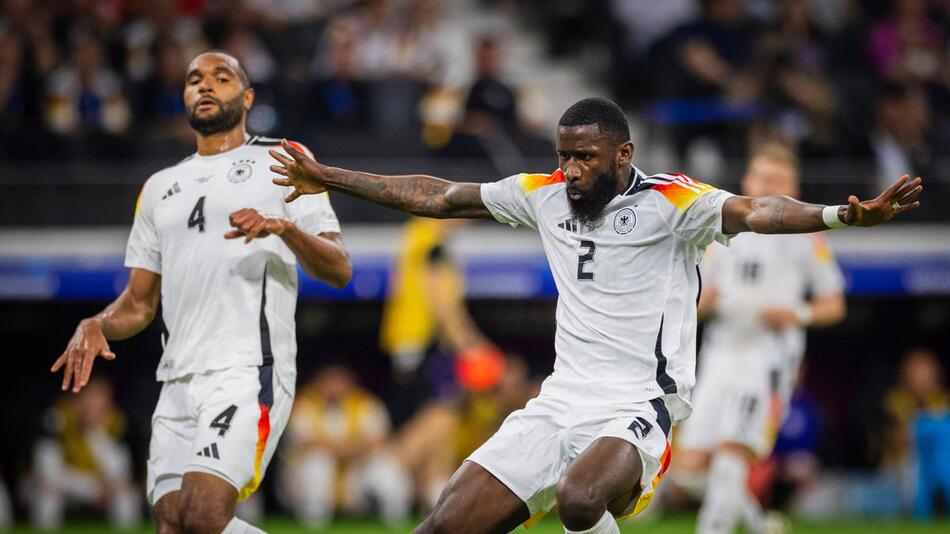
(572, 171)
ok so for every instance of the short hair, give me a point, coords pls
(241, 71)
(777, 152)
(606, 114)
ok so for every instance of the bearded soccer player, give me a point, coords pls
(754, 293)
(213, 239)
(624, 248)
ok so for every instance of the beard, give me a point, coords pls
(588, 209)
(228, 116)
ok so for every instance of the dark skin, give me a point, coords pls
(605, 476)
(205, 502)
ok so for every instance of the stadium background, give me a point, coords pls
(90, 106)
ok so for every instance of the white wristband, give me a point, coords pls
(830, 217)
(804, 314)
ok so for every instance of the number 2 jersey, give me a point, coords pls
(628, 285)
(224, 303)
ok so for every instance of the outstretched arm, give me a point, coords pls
(425, 196)
(785, 215)
(126, 316)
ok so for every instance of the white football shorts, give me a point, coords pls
(225, 423)
(532, 450)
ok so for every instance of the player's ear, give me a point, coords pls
(248, 98)
(625, 153)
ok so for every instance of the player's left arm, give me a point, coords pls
(322, 256)
(785, 215)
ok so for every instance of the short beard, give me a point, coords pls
(588, 209)
(229, 115)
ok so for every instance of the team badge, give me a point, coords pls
(240, 171)
(624, 221)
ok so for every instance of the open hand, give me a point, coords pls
(87, 343)
(302, 172)
(899, 198)
(250, 223)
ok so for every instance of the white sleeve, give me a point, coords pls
(824, 275)
(144, 250)
(507, 201)
(313, 214)
(699, 221)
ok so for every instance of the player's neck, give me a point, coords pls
(623, 179)
(209, 145)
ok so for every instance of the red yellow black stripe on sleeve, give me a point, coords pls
(679, 189)
(532, 182)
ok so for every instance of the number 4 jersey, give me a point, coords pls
(224, 303)
(628, 284)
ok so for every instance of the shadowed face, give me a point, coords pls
(216, 95)
(590, 161)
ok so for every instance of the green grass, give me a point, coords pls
(672, 525)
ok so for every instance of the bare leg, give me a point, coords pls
(475, 502)
(167, 518)
(206, 503)
(605, 477)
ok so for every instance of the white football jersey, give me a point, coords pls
(224, 303)
(755, 273)
(628, 285)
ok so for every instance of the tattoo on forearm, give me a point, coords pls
(784, 215)
(420, 195)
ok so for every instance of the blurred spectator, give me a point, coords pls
(342, 97)
(160, 20)
(792, 66)
(82, 460)
(920, 389)
(83, 95)
(908, 45)
(426, 327)
(900, 142)
(159, 99)
(440, 436)
(335, 457)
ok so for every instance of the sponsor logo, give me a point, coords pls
(203, 179)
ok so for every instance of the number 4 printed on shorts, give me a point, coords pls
(223, 421)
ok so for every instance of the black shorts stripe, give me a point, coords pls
(662, 416)
(265, 328)
(666, 382)
(266, 377)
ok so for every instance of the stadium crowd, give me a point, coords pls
(103, 78)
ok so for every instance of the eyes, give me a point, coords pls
(579, 156)
(195, 80)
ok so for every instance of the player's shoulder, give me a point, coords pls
(260, 142)
(538, 182)
(678, 189)
(167, 176)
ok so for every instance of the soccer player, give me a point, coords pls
(228, 365)
(624, 248)
(755, 294)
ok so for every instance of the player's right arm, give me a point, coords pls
(424, 196)
(126, 316)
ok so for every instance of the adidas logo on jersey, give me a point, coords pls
(171, 191)
(211, 451)
(570, 225)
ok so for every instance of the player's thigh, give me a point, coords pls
(170, 447)
(607, 472)
(206, 502)
(167, 517)
(475, 502)
(243, 414)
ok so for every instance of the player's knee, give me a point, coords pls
(167, 518)
(578, 505)
(438, 522)
(199, 517)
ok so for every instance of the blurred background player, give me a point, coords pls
(82, 460)
(434, 443)
(426, 329)
(759, 295)
(229, 362)
(336, 456)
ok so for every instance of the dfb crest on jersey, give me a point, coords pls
(240, 171)
(624, 221)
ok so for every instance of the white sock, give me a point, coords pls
(723, 506)
(606, 525)
(236, 526)
(753, 516)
